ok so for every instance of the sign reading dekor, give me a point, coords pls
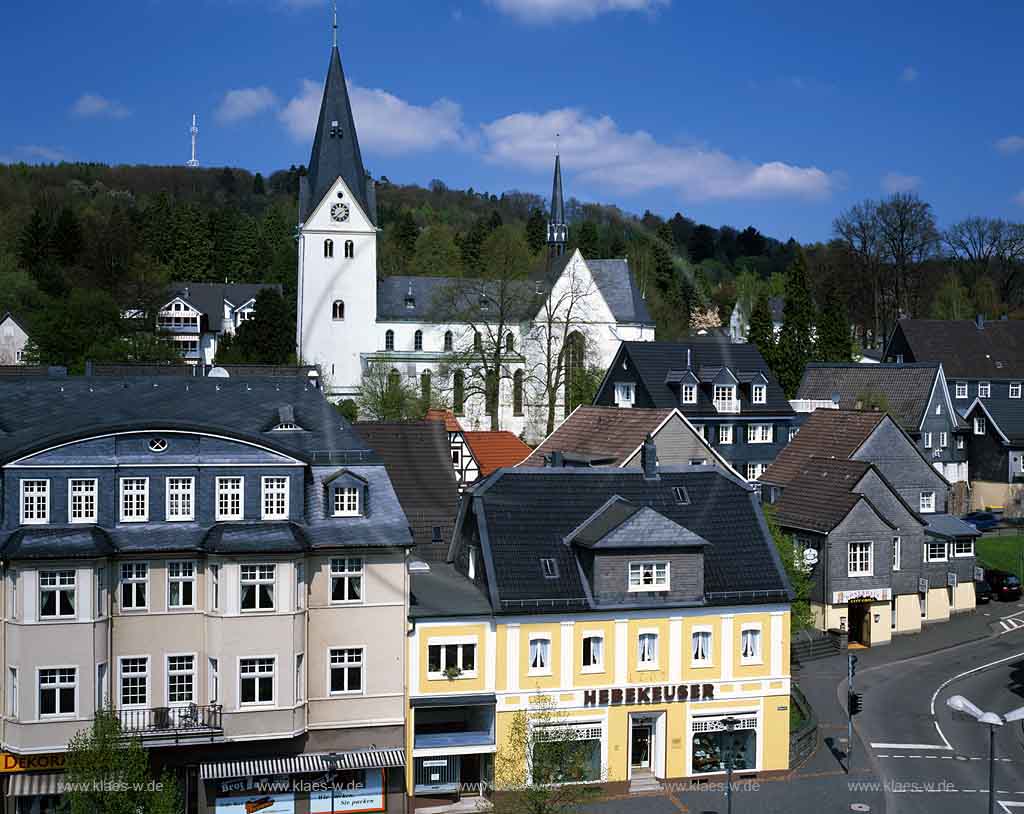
(667, 694)
(30, 763)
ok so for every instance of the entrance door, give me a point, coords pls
(858, 612)
(641, 746)
(471, 775)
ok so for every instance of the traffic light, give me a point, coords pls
(855, 703)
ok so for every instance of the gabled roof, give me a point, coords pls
(621, 525)
(825, 433)
(209, 298)
(615, 282)
(993, 351)
(654, 360)
(496, 449)
(447, 417)
(907, 388)
(9, 316)
(822, 494)
(1007, 415)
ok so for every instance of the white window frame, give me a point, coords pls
(759, 393)
(345, 665)
(545, 668)
(12, 691)
(961, 390)
(102, 690)
(926, 505)
(186, 575)
(963, 548)
(944, 440)
(723, 393)
(300, 585)
(348, 571)
(984, 390)
(129, 576)
(225, 486)
(755, 470)
(938, 409)
(145, 674)
(689, 393)
(185, 496)
(760, 433)
(179, 671)
(343, 497)
(961, 442)
(758, 656)
(271, 489)
(637, 573)
(595, 666)
(83, 495)
(625, 394)
(256, 581)
(702, 630)
(853, 566)
(650, 634)
(897, 552)
(57, 686)
(1015, 390)
(41, 497)
(59, 587)
(300, 678)
(255, 676)
(213, 680)
(133, 491)
(927, 440)
(725, 433)
(928, 551)
(459, 643)
(214, 572)
(979, 425)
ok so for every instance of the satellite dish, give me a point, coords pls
(218, 373)
(810, 556)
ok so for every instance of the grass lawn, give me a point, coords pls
(1001, 551)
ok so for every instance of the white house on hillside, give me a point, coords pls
(13, 339)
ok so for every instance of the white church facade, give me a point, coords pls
(475, 346)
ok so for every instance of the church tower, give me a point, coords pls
(558, 230)
(337, 275)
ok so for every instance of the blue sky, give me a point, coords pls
(773, 114)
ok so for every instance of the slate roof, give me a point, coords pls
(252, 538)
(208, 298)
(1006, 414)
(821, 495)
(494, 449)
(37, 412)
(615, 282)
(621, 525)
(907, 388)
(654, 360)
(66, 543)
(443, 591)
(557, 198)
(599, 434)
(995, 351)
(526, 514)
(825, 434)
(418, 459)
(948, 527)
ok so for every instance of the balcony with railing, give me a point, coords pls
(176, 724)
(731, 406)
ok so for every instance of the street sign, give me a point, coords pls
(922, 586)
(951, 579)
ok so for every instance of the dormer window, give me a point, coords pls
(346, 501)
(648, 576)
(689, 394)
(286, 426)
(759, 394)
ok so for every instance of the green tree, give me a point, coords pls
(268, 338)
(986, 298)
(437, 253)
(835, 342)
(588, 240)
(761, 330)
(796, 340)
(67, 237)
(193, 247)
(386, 395)
(406, 233)
(798, 572)
(66, 331)
(952, 299)
(702, 244)
(537, 231)
(258, 185)
(102, 757)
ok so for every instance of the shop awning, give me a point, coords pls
(487, 699)
(31, 784)
(314, 763)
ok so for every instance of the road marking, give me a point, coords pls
(1009, 625)
(1013, 615)
(910, 745)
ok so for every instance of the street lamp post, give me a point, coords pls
(730, 724)
(332, 760)
(958, 703)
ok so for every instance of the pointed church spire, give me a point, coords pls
(558, 231)
(336, 145)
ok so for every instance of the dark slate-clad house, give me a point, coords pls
(888, 558)
(914, 394)
(996, 450)
(621, 593)
(726, 390)
(223, 562)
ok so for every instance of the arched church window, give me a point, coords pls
(389, 340)
(517, 392)
(510, 342)
(350, 249)
(417, 342)
(339, 309)
(478, 341)
(425, 382)
(394, 380)
(448, 341)
(328, 248)
(459, 392)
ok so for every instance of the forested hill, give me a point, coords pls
(92, 239)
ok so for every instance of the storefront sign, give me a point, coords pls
(353, 792)
(667, 694)
(30, 763)
(260, 804)
(240, 785)
(863, 595)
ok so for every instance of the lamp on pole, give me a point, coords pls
(958, 703)
(730, 724)
(332, 760)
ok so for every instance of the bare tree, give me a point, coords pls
(988, 246)
(859, 231)
(909, 237)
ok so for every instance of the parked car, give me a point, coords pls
(982, 521)
(982, 592)
(1005, 586)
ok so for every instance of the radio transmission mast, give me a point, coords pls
(194, 130)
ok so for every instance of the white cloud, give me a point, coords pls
(244, 103)
(893, 182)
(39, 152)
(1010, 145)
(600, 153)
(909, 74)
(543, 11)
(387, 124)
(92, 105)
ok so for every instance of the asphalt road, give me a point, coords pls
(929, 759)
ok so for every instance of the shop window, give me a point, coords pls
(565, 753)
(713, 746)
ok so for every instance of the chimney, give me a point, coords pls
(649, 459)
(979, 322)
(557, 460)
(689, 359)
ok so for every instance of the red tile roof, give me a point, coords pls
(493, 450)
(451, 423)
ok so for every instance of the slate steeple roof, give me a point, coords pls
(557, 198)
(335, 147)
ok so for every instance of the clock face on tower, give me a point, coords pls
(339, 212)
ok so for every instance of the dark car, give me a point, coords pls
(982, 521)
(1005, 586)
(982, 592)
